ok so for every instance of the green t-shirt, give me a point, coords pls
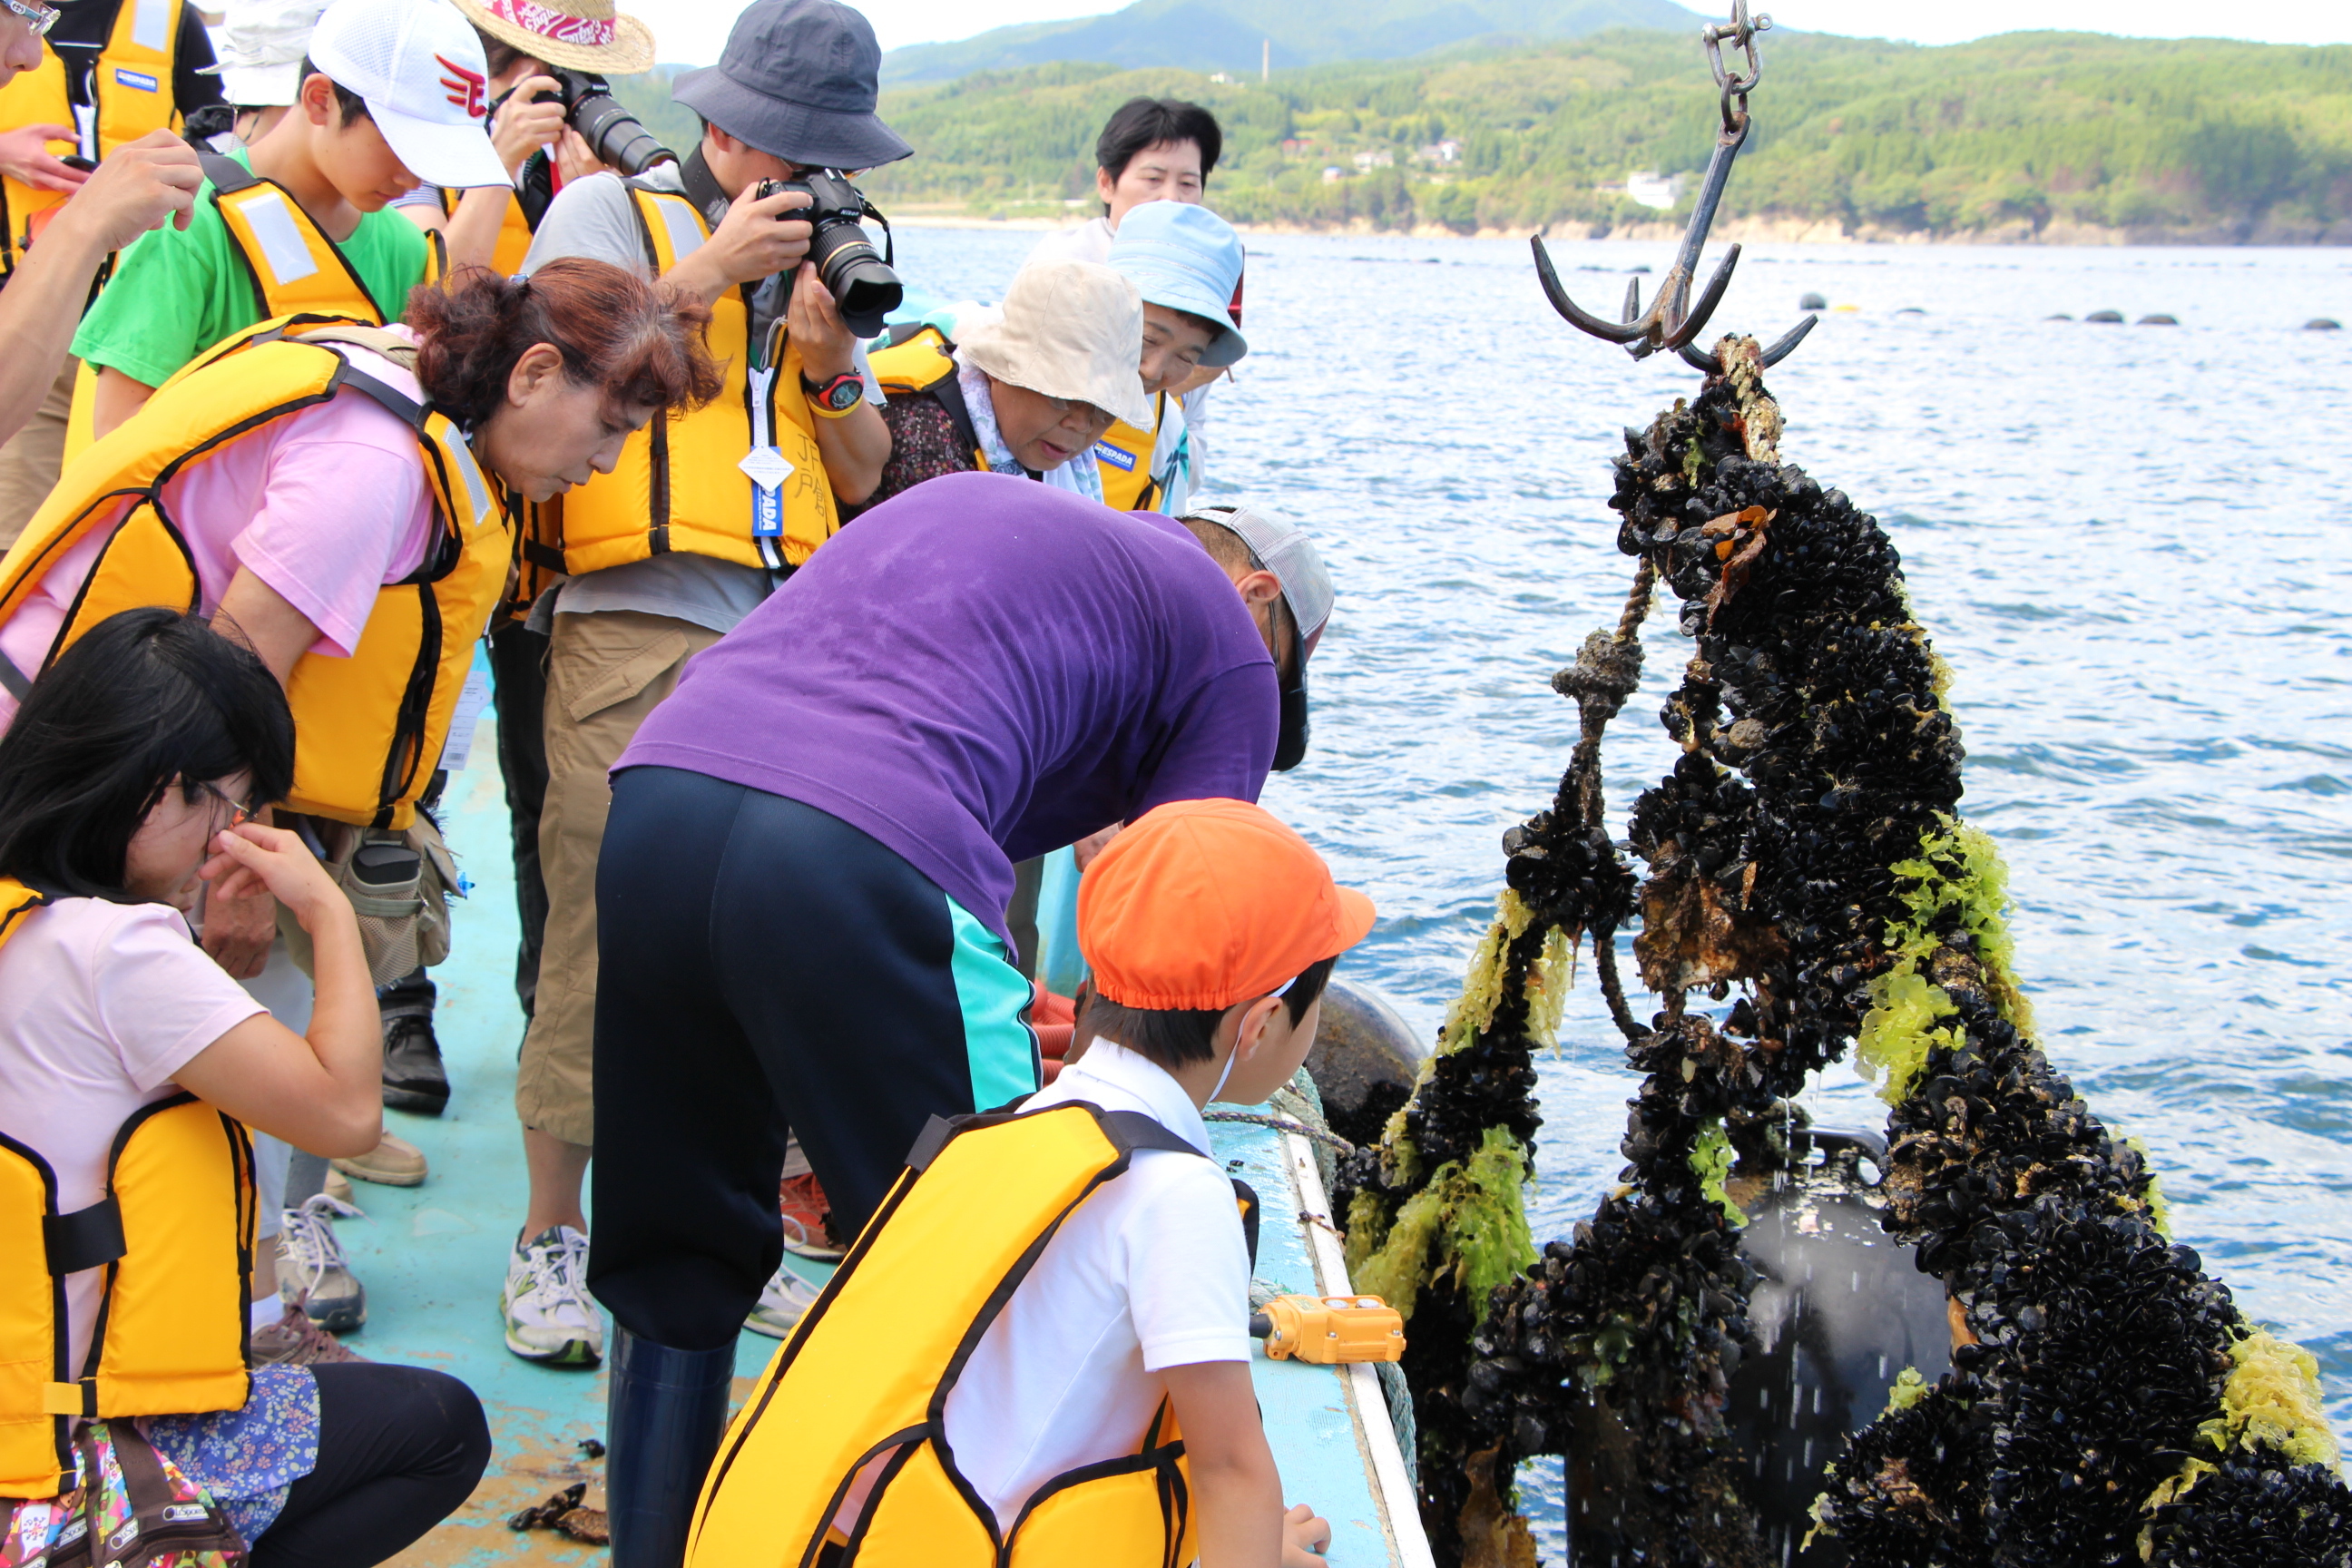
(176, 292)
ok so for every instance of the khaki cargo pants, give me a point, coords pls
(606, 672)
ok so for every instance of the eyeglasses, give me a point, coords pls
(1063, 407)
(239, 812)
(37, 15)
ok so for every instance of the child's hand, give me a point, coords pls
(1304, 1537)
(251, 859)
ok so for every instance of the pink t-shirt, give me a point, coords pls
(325, 505)
(99, 1004)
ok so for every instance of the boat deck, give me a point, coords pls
(433, 1258)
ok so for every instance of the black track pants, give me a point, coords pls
(764, 966)
(518, 687)
(400, 1449)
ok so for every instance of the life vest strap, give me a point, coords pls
(86, 1238)
(70, 1398)
(1132, 1128)
(225, 173)
(13, 680)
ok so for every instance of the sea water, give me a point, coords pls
(2130, 541)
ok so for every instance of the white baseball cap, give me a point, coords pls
(259, 52)
(419, 64)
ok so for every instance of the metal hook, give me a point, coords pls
(1672, 322)
(1701, 359)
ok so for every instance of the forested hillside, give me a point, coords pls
(1237, 36)
(2012, 136)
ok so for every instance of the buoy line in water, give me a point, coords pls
(2107, 1401)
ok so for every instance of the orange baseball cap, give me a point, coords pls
(1204, 903)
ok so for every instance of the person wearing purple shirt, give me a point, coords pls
(802, 885)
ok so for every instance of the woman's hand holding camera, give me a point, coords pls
(527, 122)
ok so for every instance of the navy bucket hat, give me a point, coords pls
(798, 81)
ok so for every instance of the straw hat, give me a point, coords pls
(585, 35)
(1068, 329)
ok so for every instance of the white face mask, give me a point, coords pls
(1235, 1054)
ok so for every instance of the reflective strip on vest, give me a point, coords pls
(175, 1234)
(679, 484)
(130, 86)
(369, 729)
(296, 268)
(869, 1367)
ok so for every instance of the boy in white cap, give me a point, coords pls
(392, 93)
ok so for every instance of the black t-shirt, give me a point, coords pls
(84, 26)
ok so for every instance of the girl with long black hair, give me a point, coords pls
(129, 783)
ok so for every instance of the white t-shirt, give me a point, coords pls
(1150, 1272)
(99, 1004)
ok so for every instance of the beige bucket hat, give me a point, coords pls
(1068, 329)
(585, 35)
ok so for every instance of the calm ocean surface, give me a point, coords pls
(2130, 543)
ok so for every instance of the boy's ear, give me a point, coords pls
(316, 96)
(1249, 1034)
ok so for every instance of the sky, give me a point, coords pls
(692, 31)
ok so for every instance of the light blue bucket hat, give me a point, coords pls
(1188, 259)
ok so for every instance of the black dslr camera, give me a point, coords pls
(860, 281)
(616, 137)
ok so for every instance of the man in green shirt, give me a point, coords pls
(391, 95)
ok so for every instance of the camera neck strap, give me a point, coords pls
(702, 188)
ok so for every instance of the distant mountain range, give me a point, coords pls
(1233, 35)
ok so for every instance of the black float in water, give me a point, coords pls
(2061, 316)
(2157, 319)
(1910, 310)
(1363, 1063)
(1839, 1314)
(2111, 318)
(1813, 302)
(2323, 324)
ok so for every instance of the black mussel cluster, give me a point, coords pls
(1817, 760)
(2256, 1510)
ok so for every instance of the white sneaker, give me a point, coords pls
(782, 1305)
(312, 1272)
(549, 1316)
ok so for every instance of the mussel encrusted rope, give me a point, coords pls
(2108, 1403)
(1435, 1219)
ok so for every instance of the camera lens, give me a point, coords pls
(859, 280)
(615, 136)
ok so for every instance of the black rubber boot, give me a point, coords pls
(665, 1414)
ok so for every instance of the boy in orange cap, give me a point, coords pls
(1212, 928)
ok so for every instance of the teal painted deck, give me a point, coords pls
(433, 1258)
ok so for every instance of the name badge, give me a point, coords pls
(768, 468)
(1123, 461)
(143, 82)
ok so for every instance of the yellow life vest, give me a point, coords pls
(294, 268)
(514, 232)
(131, 88)
(1124, 455)
(680, 484)
(866, 1376)
(369, 729)
(175, 1234)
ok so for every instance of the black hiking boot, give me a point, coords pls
(414, 1077)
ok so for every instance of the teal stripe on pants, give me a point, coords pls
(1000, 1047)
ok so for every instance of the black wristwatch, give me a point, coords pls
(838, 395)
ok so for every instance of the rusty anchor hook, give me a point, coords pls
(1673, 320)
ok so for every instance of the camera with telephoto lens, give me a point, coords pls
(860, 281)
(617, 138)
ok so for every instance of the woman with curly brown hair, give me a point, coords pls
(306, 490)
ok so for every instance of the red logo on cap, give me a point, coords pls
(467, 89)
